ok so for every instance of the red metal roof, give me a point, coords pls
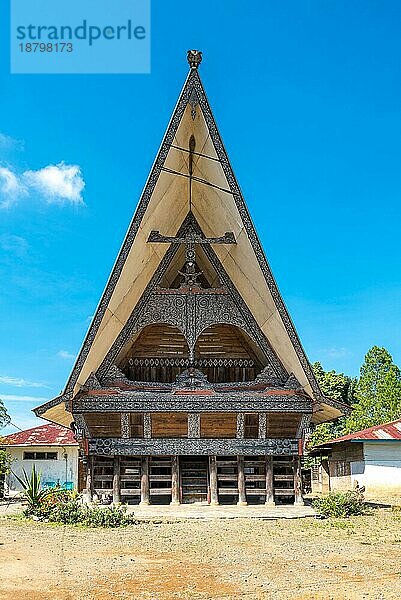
(387, 431)
(44, 435)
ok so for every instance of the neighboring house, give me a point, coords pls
(370, 458)
(51, 448)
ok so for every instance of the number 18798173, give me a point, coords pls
(46, 47)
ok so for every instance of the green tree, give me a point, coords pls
(323, 433)
(4, 416)
(4, 455)
(378, 392)
(5, 463)
(337, 386)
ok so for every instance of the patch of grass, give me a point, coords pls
(341, 524)
(14, 517)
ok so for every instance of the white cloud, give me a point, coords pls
(58, 183)
(66, 355)
(11, 188)
(19, 382)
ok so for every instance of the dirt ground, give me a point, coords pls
(302, 559)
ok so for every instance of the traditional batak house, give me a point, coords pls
(192, 384)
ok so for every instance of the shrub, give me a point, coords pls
(72, 512)
(341, 504)
(51, 500)
(67, 510)
(63, 506)
(108, 516)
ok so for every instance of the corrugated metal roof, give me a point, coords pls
(44, 435)
(387, 431)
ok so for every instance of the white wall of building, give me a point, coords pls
(381, 469)
(65, 468)
(375, 465)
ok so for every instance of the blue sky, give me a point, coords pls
(307, 96)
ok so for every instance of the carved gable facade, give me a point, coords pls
(192, 384)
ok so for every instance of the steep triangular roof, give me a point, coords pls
(217, 206)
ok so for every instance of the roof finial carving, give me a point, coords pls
(194, 58)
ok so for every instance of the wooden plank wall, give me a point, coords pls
(213, 425)
(282, 425)
(104, 425)
(218, 425)
(169, 425)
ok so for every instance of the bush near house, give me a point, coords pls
(63, 506)
(341, 504)
(69, 510)
(57, 502)
(66, 507)
(109, 516)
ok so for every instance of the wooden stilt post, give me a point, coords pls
(175, 480)
(89, 479)
(145, 493)
(116, 480)
(241, 482)
(298, 481)
(269, 481)
(214, 494)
